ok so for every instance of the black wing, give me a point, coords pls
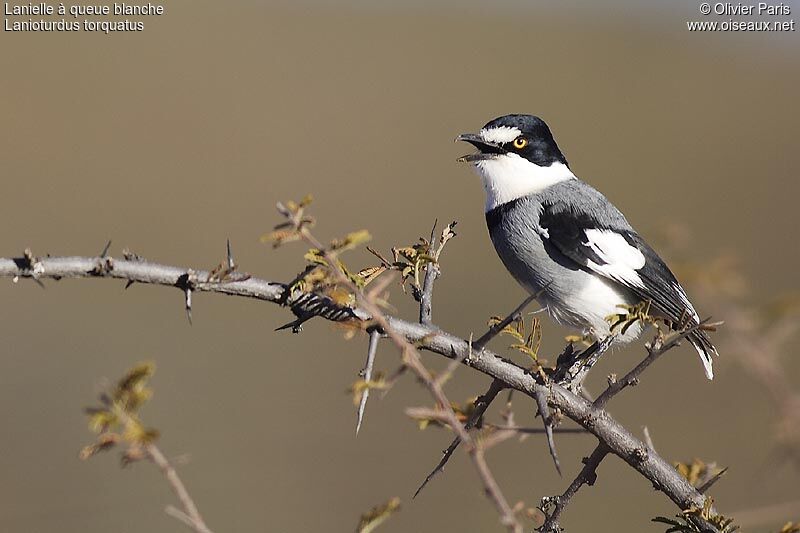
(609, 246)
(620, 254)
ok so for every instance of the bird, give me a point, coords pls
(567, 244)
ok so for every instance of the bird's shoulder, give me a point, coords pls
(584, 226)
(576, 203)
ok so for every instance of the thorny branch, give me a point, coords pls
(608, 431)
(482, 403)
(411, 359)
(587, 476)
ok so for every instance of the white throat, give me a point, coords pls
(509, 176)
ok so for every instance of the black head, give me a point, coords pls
(525, 135)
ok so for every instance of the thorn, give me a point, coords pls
(707, 485)
(231, 262)
(648, 439)
(186, 282)
(374, 337)
(105, 264)
(128, 255)
(188, 292)
(105, 249)
(30, 266)
(484, 339)
(544, 412)
(296, 325)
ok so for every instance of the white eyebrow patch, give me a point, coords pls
(500, 134)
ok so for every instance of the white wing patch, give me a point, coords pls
(622, 260)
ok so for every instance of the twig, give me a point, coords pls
(177, 514)
(654, 351)
(507, 515)
(447, 373)
(535, 431)
(486, 440)
(431, 273)
(195, 521)
(587, 476)
(495, 329)
(420, 413)
(496, 437)
(374, 337)
(481, 404)
(119, 409)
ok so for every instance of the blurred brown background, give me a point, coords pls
(171, 140)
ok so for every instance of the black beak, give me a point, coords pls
(486, 150)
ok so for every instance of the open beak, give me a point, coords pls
(486, 150)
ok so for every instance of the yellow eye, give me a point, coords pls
(520, 143)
